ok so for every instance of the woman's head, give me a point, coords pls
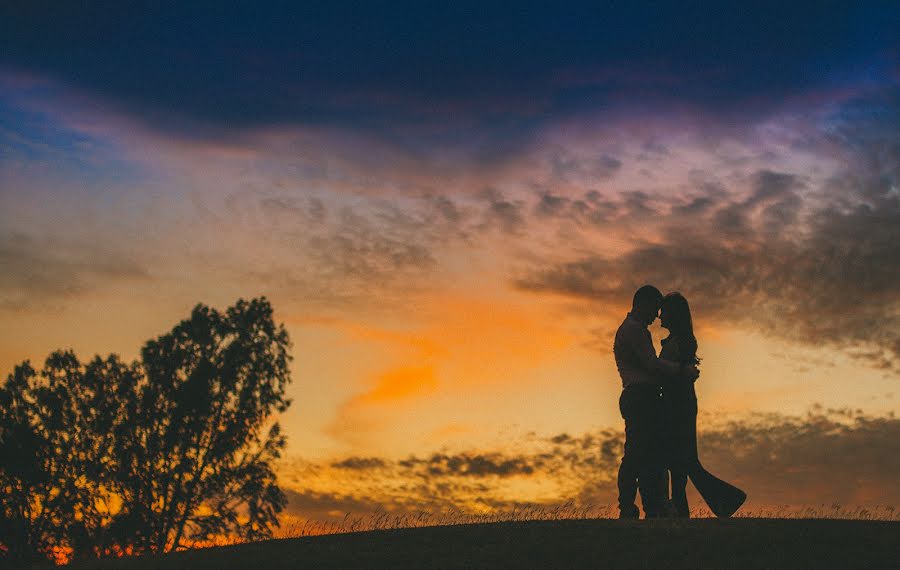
(676, 314)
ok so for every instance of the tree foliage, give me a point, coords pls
(108, 456)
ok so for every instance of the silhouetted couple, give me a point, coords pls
(659, 406)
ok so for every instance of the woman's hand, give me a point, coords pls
(690, 373)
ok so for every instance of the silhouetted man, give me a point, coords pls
(640, 404)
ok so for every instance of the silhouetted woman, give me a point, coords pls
(680, 405)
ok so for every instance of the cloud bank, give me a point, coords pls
(827, 456)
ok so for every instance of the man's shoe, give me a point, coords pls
(629, 512)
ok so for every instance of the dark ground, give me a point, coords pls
(704, 543)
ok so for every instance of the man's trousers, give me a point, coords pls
(642, 465)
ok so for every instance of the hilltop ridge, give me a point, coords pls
(698, 543)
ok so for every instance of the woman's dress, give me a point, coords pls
(680, 406)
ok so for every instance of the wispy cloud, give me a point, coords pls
(42, 272)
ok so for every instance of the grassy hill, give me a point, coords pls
(703, 543)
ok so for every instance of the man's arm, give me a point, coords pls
(643, 348)
(642, 344)
(689, 372)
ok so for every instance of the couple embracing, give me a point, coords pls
(659, 406)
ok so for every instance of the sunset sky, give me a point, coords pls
(450, 209)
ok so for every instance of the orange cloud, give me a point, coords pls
(491, 340)
(398, 384)
(463, 344)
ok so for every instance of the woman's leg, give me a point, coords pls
(685, 431)
(723, 498)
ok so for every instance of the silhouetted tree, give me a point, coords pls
(196, 461)
(108, 456)
(25, 483)
(55, 450)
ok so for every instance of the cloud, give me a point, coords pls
(506, 214)
(550, 205)
(346, 253)
(320, 506)
(566, 168)
(821, 272)
(360, 416)
(827, 456)
(832, 456)
(733, 215)
(364, 255)
(441, 357)
(397, 384)
(485, 97)
(359, 463)
(308, 210)
(40, 271)
(475, 465)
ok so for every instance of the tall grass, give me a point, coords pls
(385, 520)
(381, 519)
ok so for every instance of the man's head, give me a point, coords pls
(646, 303)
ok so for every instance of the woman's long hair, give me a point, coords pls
(678, 317)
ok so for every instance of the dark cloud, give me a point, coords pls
(588, 209)
(549, 205)
(446, 208)
(731, 221)
(364, 254)
(772, 186)
(814, 271)
(833, 456)
(37, 272)
(478, 465)
(694, 207)
(505, 214)
(594, 209)
(573, 169)
(639, 205)
(359, 463)
(450, 76)
(561, 438)
(825, 457)
(326, 506)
